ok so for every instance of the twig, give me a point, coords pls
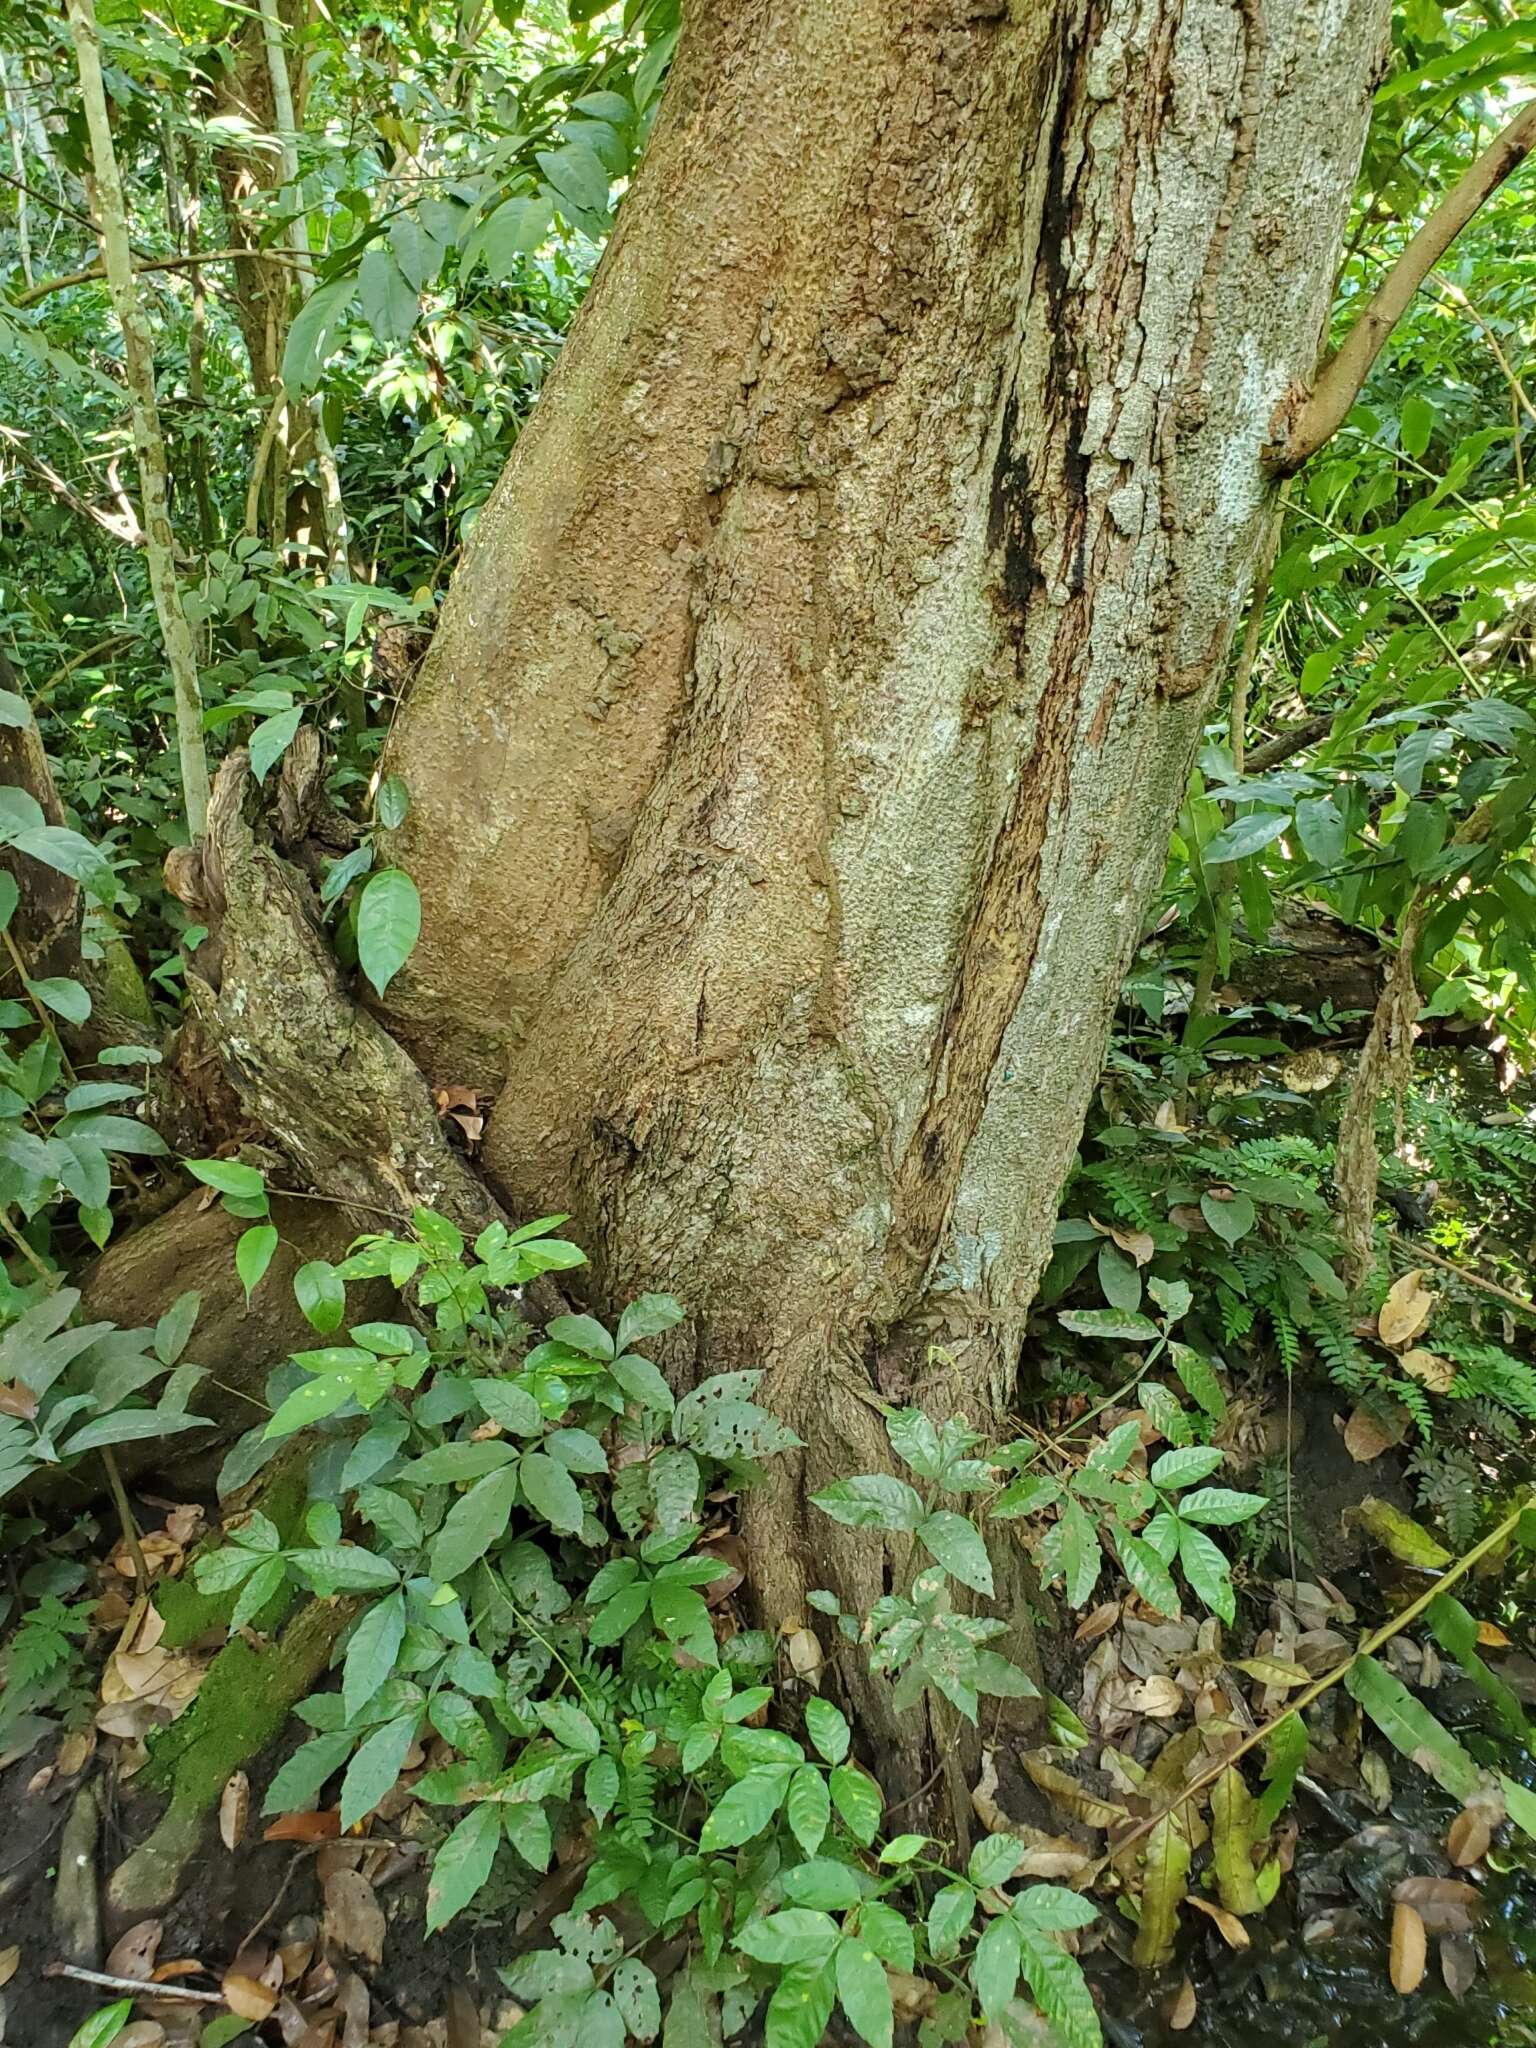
(96, 272)
(1338, 382)
(125, 1517)
(141, 1987)
(1472, 1279)
(1309, 1694)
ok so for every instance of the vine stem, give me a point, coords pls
(1312, 1693)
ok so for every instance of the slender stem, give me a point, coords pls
(43, 1017)
(149, 443)
(92, 273)
(1339, 381)
(1420, 1251)
(1237, 721)
(29, 1252)
(125, 1517)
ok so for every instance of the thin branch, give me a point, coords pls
(1237, 719)
(1338, 383)
(95, 271)
(120, 528)
(1295, 739)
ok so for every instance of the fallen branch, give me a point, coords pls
(1338, 383)
(139, 1987)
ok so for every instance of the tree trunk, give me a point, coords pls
(802, 737)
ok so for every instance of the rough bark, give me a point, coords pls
(802, 736)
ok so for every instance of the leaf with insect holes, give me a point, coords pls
(957, 1544)
(388, 925)
(1120, 1324)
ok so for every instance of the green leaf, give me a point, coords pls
(858, 1799)
(516, 228)
(1182, 1468)
(865, 1991)
(995, 1965)
(571, 1728)
(743, 1811)
(371, 1653)
(875, 1500)
(512, 1406)
(828, 1730)
(1220, 1507)
(271, 739)
(1416, 423)
(389, 299)
(299, 1781)
(1060, 1989)
(1207, 1571)
(798, 2011)
(174, 1329)
(551, 1492)
(797, 1935)
(1026, 1496)
(1164, 1883)
(392, 805)
(259, 1588)
(578, 178)
(1520, 1803)
(1285, 1753)
(229, 1176)
(1456, 1632)
(957, 1544)
(66, 998)
(1081, 1556)
(949, 1919)
(633, 1988)
(374, 1769)
(1230, 1220)
(1234, 1826)
(834, 1887)
(1148, 1575)
(808, 1808)
(1120, 1324)
(463, 1863)
(1244, 836)
(102, 2026)
(253, 1255)
(994, 1860)
(388, 925)
(600, 1787)
(321, 1294)
(1200, 1381)
(474, 1523)
(309, 336)
(1411, 1728)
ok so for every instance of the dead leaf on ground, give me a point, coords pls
(1181, 2013)
(1436, 1373)
(1098, 1623)
(1491, 1637)
(354, 1919)
(804, 1652)
(1366, 1436)
(1469, 1838)
(304, 1827)
(140, 2034)
(133, 1954)
(1228, 1926)
(18, 1400)
(143, 1685)
(1072, 1797)
(1276, 1671)
(1377, 1779)
(1136, 1244)
(234, 1809)
(1161, 1698)
(75, 1752)
(10, 1962)
(1187, 1218)
(1458, 1963)
(243, 1995)
(1410, 1949)
(1406, 1311)
(1446, 1905)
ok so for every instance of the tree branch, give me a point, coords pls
(1339, 381)
(119, 526)
(94, 271)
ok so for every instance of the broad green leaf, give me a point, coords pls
(474, 1523)
(996, 1964)
(827, 1729)
(1411, 1728)
(310, 335)
(374, 1769)
(174, 1329)
(229, 1176)
(1081, 1556)
(1234, 1825)
(299, 1781)
(253, 1255)
(875, 1500)
(389, 299)
(743, 1811)
(1117, 1323)
(957, 1544)
(388, 925)
(66, 998)
(1285, 1754)
(1245, 836)
(834, 1887)
(463, 1863)
(103, 2026)
(633, 1987)
(551, 1492)
(1208, 1571)
(1230, 1220)
(797, 1935)
(949, 1919)
(1200, 1381)
(798, 2011)
(864, 1991)
(1060, 1989)
(371, 1653)
(1148, 1575)
(1456, 1632)
(858, 1799)
(271, 739)
(1165, 1880)
(1220, 1507)
(1175, 1469)
(321, 1294)
(994, 1860)
(808, 1808)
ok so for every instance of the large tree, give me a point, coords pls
(799, 746)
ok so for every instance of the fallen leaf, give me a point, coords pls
(133, 1954)
(1162, 1698)
(1438, 1374)
(463, 2019)
(354, 1919)
(1458, 1963)
(1304, 1073)
(1491, 1637)
(1406, 1311)
(304, 1827)
(243, 1995)
(1188, 1218)
(1228, 1926)
(1377, 1779)
(1098, 1623)
(1074, 1798)
(17, 1400)
(1400, 1534)
(141, 2034)
(10, 1962)
(1366, 1438)
(804, 1652)
(75, 1752)
(1181, 2013)
(1446, 1905)
(234, 1809)
(1276, 1671)
(1410, 1949)
(1469, 1838)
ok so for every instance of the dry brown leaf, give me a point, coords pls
(17, 1400)
(1406, 1311)
(243, 1995)
(804, 1652)
(75, 1752)
(1181, 2013)
(354, 1919)
(304, 1827)
(463, 2019)
(1166, 1118)
(133, 1954)
(1228, 1926)
(1410, 1949)
(1469, 1838)
(1189, 1219)
(1377, 1779)
(140, 2034)
(234, 1809)
(1161, 1698)
(1136, 1244)
(10, 1962)
(1491, 1637)
(1458, 1963)
(1446, 1905)
(1438, 1374)
(1072, 1797)
(1276, 1671)
(1098, 1623)
(1365, 1438)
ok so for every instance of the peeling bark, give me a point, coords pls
(803, 734)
